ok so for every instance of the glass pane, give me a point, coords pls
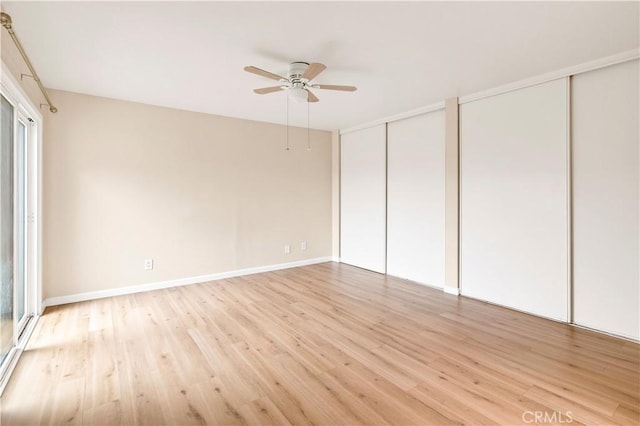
(6, 228)
(20, 275)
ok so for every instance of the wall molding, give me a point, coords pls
(93, 295)
(628, 55)
(396, 117)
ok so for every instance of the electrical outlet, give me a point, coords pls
(148, 264)
(287, 249)
(303, 245)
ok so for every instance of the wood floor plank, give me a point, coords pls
(263, 412)
(321, 344)
(385, 398)
(562, 405)
(455, 409)
(106, 414)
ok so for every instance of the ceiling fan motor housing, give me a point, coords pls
(296, 69)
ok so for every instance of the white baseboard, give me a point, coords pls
(335, 259)
(451, 290)
(608, 333)
(92, 295)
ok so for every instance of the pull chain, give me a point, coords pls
(308, 132)
(287, 122)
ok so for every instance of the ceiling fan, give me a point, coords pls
(298, 81)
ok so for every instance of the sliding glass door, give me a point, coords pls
(17, 305)
(20, 140)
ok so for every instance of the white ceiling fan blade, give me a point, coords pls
(335, 87)
(313, 70)
(263, 73)
(265, 90)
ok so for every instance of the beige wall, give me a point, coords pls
(198, 193)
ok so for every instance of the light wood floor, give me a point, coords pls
(323, 344)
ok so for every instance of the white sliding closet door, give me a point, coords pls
(513, 199)
(415, 204)
(605, 199)
(363, 160)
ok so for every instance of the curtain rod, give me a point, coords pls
(5, 19)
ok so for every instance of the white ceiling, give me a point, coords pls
(400, 55)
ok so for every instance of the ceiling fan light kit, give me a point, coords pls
(298, 94)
